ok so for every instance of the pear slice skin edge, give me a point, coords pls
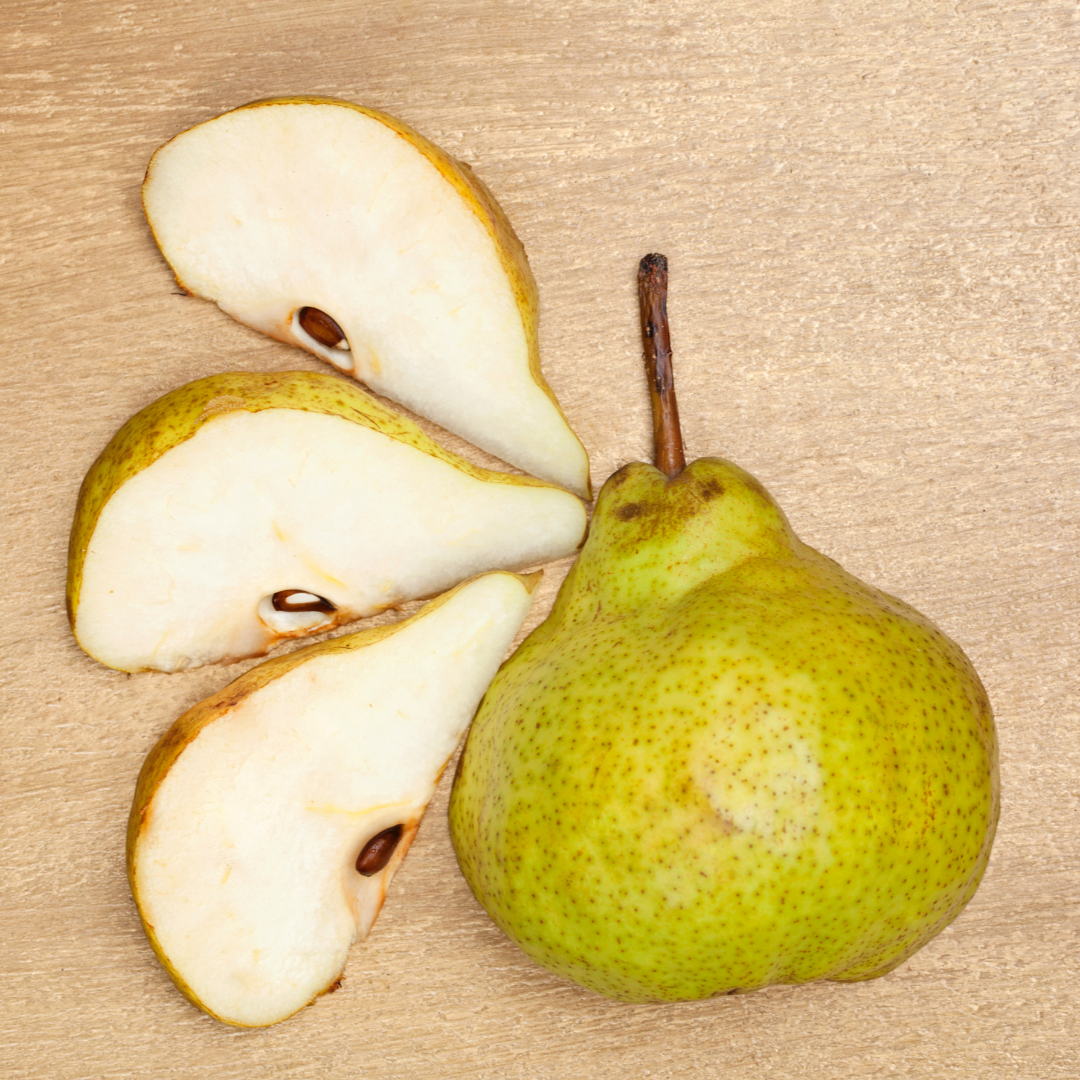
(187, 793)
(191, 205)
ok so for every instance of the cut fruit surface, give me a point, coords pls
(243, 509)
(339, 229)
(269, 820)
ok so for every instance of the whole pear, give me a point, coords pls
(723, 762)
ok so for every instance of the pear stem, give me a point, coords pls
(656, 338)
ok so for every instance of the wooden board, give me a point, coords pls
(871, 212)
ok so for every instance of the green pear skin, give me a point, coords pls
(723, 762)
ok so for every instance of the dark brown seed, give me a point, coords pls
(377, 851)
(299, 600)
(322, 328)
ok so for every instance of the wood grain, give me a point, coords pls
(871, 212)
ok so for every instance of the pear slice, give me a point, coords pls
(244, 508)
(339, 229)
(270, 818)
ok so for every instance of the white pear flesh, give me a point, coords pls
(252, 810)
(297, 203)
(186, 556)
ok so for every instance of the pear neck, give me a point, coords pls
(652, 540)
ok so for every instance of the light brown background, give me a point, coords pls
(872, 216)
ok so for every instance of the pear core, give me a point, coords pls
(723, 762)
(252, 812)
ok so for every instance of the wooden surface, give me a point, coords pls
(871, 212)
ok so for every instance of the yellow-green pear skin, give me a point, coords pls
(723, 762)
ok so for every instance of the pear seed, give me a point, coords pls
(322, 328)
(376, 853)
(298, 600)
